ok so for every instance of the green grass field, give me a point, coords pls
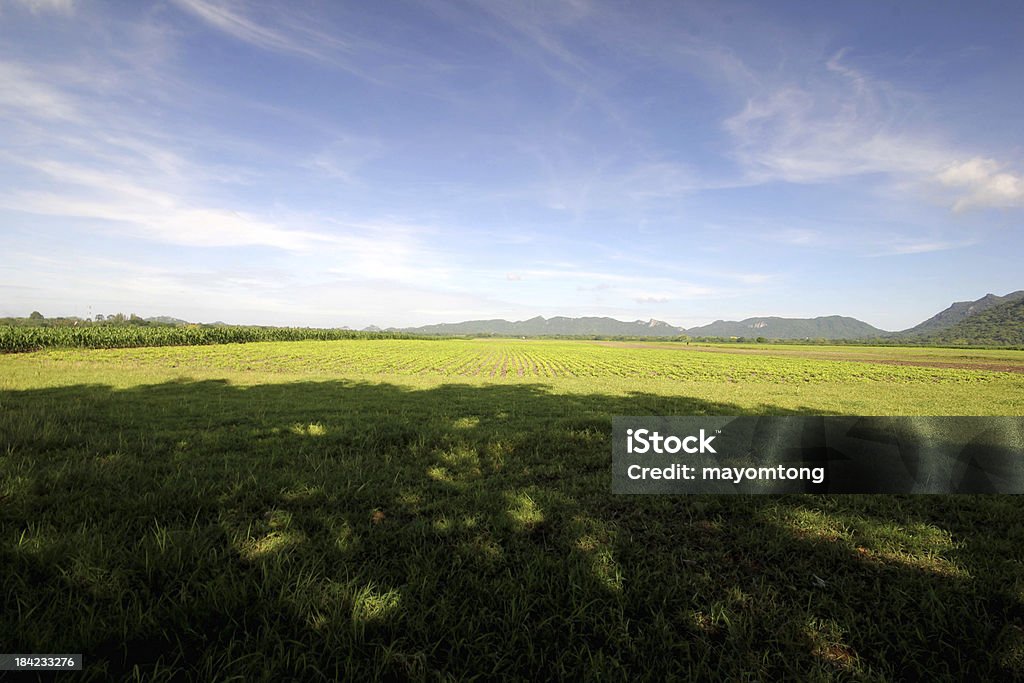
(424, 510)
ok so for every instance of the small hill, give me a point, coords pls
(827, 327)
(960, 311)
(999, 325)
(557, 326)
(166, 320)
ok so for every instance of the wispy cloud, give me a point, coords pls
(845, 124)
(652, 298)
(799, 237)
(40, 6)
(342, 158)
(119, 176)
(898, 246)
(849, 123)
(23, 92)
(627, 285)
(300, 39)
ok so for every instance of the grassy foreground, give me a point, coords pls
(429, 510)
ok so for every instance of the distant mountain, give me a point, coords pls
(166, 320)
(828, 327)
(998, 325)
(960, 311)
(557, 326)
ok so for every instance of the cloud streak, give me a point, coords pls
(65, 7)
(232, 20)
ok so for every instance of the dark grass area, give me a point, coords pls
(320, 530)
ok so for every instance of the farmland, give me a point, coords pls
(416, 509)
(20, 338)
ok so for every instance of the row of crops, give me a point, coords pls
(15, 339)
(510, 360)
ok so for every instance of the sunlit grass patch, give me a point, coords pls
(815, 524)
(270, 544)
(462, 461)
(921, 546)
(370, 604)
(917, 545)
(523, 511)
(439, 473)
(311, 429)
(304, 495)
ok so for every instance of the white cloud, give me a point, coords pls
(141, 210)
(984, 182)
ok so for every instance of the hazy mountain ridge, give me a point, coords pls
(827, 327)
(556, 326)
(960, 311)
(953, 323)
(991, 320)
(772, 327)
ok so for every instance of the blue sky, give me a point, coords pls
(329, 163)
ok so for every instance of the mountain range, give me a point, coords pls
(989, 320)
(554, 327)
(827, 327)
(961, 310)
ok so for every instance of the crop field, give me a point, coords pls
(18, 338)
(441, 509)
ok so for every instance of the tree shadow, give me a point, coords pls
(357, 530)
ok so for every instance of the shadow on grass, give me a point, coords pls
(314, 530)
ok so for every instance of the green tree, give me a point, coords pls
(35, 315)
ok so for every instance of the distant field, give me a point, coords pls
(853, 380)
(415, 509)
(1011, 360)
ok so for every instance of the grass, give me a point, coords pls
(406, 510)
